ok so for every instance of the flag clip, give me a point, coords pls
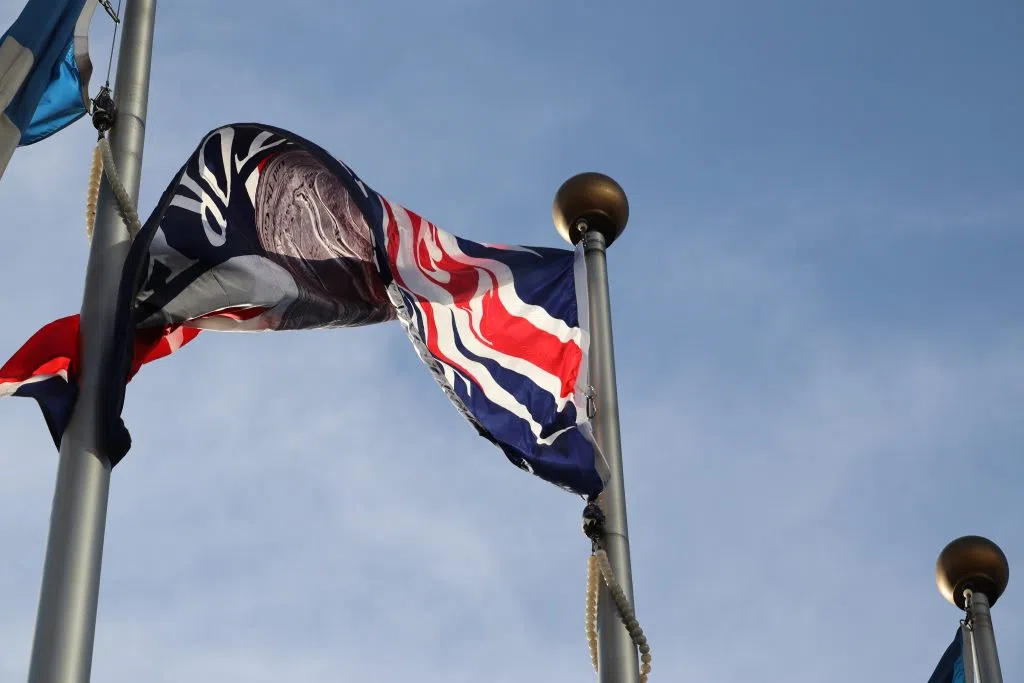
(104, 110)
(591, 401)
(110, 10)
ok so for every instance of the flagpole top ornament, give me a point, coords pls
(975, 563)
(595, 199)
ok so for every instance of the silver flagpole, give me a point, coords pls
(593, 208)
(972, 572)
(66, 620)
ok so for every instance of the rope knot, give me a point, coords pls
(593, 524)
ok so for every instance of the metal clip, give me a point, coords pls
(591, 401)
(110, 10)
(104, 110)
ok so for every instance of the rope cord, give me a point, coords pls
(104, 114)
(125, 205)
(593, 585)
(93, 194)
(598, 564)
(116, 16)
(103, 165)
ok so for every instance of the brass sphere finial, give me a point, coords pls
(595, 198)
(971, 562)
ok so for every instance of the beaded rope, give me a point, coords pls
(598, 564)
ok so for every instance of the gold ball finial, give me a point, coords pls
(595, 198)
(971, 562)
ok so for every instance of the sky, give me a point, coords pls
(819, 335)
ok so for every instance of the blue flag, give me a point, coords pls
(951, 667)
(44, 72)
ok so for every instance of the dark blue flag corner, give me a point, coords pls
(951, 667)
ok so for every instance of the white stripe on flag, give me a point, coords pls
(444, 315)
(492, 276)
(10, 136)
(16, 62)
(81, 43)
(8, 388)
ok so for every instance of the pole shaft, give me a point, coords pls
(617, 656)
(66, 621)
(984, 639)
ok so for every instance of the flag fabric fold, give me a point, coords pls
(264, 230)
(951, 667)
(45, 368)
(44, 72)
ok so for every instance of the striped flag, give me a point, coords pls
(44, 72)
(46, 367)
(263, 230)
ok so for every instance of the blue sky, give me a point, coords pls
(819, 332)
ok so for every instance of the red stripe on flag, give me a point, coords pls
(50, 350)
(393, 242)
(55, 348)
(499, 329)
(155, 343)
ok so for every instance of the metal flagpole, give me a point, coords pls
(972, 572)
(593, 208)
(66, 620)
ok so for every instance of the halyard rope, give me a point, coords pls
(103, 162)
(598, 563)
(104, 114)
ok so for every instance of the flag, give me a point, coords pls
(45, 368)
(263, 230)
(952, 667)
(44, 72)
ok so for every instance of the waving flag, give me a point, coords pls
(44, 72)
(263, 230)
(951, 668)
(45, 368)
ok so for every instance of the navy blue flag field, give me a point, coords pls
(264, 230)
(950, 668)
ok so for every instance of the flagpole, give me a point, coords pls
(66, 620)
(592, 208)
(972, 572)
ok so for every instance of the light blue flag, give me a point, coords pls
(44, 72)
